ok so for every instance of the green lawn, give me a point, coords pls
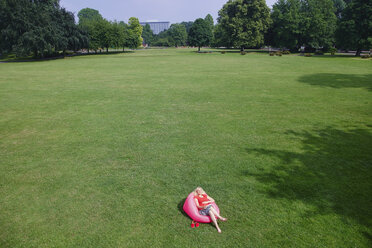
(101, 150)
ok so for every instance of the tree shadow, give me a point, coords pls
(338, 81)
(30, 59)
(333, 174)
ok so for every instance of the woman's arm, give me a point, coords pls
(197, 203)
(210, 199)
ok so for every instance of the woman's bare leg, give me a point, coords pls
(214, 211)
(211, 214)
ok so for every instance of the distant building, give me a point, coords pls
(157, 27)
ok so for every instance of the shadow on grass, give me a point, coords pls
(227, 50)
(338, 81)
(180, 208)
(333, 174)
(30, 59)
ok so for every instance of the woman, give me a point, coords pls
(203, 202)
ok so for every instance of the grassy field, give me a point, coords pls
(101, 151)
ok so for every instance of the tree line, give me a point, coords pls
(194, 33)
(42, 27)
(290, 25)
(105, 34)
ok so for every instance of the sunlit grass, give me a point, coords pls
(101, 151)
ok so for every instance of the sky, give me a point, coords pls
(150, 10)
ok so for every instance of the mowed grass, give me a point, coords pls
(102, 150)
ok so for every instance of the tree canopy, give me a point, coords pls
(134, 33)
(355, 27)
(178, 35)
(296, 23)
(147, 35)
(286, 24)
(245, 21)
(89, 14)
(200, 34)
(40, 26)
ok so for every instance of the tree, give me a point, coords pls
(220, 38)
(133, 33)
(117, 34)
(40, 27)
(124, 29)
(200, 34)
(210, 21)
(187, 26)
(88, 14)
(245, 21)
(91, 21)
(339, 5)
(178, 35)
(286, 24)
(147, 34)
(355, 27)
(318, 23)
(67, 35)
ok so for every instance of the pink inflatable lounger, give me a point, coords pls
(191, 210)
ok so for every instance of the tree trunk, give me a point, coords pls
(106, 49)
(358, 51)
(64, 53)
(199, 49)
(88, 50)
(242, 49)
(123, 49)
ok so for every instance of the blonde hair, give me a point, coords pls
(199, 188)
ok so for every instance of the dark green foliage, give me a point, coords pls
(365, 56)
(339, 5)
(355, 27)
(245, 22)
(332, 50)
(200, 34)
(318, 23)
(210, 21)
(88, 14)
(311, 23)
(162, 42)
(38, 27)
(177, 34)
(187, 26)
(147, 35)
(221, 38)
(286, 19)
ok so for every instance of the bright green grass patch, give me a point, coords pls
(101, 151)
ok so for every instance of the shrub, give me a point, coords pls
(243, 53)
(365, 56)
(308, 55)
(319, 52)
(223, 52)
(286, 52)
(333, 50)
(278, 53)
(272, 54)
